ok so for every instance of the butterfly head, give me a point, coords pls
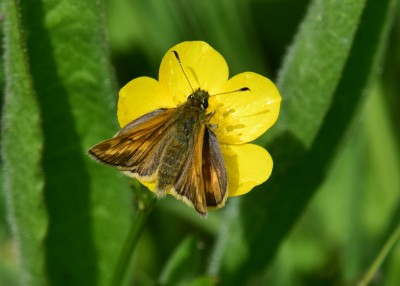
(199, 98)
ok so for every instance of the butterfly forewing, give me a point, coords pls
(138, 147)
(190, 184)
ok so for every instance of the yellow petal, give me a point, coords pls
(150, 185)
(140, 96)
(204, 67)
(245, 115)
(248, 165)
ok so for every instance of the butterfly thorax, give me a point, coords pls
(190, 124)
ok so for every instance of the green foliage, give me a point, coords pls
(23, 184)
(321, 219)
(182, 264)
(78, 212)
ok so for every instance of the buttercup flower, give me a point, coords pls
(240, 117)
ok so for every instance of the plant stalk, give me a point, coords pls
(145, 203)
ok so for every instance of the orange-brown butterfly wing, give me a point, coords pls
(190, 184)
(137, 148)
(214, 171)
(203, 182)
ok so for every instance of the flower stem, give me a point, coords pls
(390, 243)
(145, 201)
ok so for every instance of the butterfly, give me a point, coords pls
(174, 147)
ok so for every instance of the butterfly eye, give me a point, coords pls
(204, 104)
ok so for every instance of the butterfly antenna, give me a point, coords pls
(237, 90)
(180, 64)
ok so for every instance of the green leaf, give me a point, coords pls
(327, 71)
(88, 205)
(204, 280)
(22, 145)
(181, 266)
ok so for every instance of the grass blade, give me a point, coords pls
(22, 145)
(327, 71)
(88, 204)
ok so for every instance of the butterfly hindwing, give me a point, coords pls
(214, 171)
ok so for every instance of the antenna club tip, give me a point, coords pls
(176, 54)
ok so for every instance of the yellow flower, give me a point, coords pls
(240, 117)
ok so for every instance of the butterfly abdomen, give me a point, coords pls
(171, 165)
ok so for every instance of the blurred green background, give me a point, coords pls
(333, 199)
